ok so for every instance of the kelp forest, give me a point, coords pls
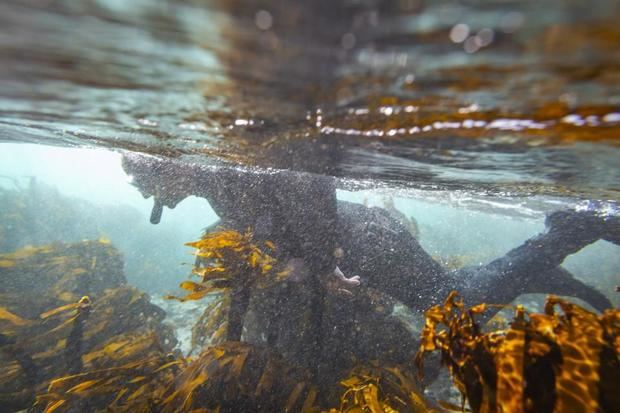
(309, 206)
(76, 338)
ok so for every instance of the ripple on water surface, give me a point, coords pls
(497, 97)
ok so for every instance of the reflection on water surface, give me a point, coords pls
(501, 96)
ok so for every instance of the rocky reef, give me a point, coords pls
(65, 308)
(75, 337)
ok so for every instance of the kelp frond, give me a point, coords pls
(553, 361)
(13, 319)
(82, 304)
(75, 311)
(230, 377)
(382, 390)
(133, 387)
(236, 377)
(212, 325)
(228, 259)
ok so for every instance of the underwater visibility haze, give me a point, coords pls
(309, 206)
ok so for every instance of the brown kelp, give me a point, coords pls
(132, 387)
(231, 377)
(109, 351)
(374, 389)
(212, 324)
(231, 263)
(48, 331)
(227, 259)
(555, 361)
(237, 377)
(58, 274)
(128, 364)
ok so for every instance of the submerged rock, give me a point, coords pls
(48, 331)
(54, 274)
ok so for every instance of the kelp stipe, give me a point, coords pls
(542, 362)
(231, 263)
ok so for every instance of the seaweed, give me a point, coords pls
(111, 353)
(232, 263)
(48, 331)
(58, 274)
(236, 377)
(72, 354)
(375, 389)
(231, 377)
(553, 361)
(212, 325)
(135, 370)
(228, 259)
(132, 387)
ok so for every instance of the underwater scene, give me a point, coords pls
(361, 206)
